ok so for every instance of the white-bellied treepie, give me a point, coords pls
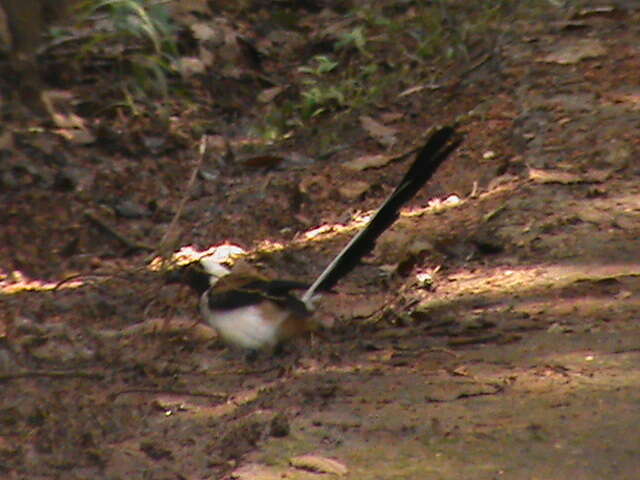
(259, 314)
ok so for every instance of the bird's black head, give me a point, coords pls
(193, 274)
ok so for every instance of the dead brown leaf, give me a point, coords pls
(367, 161)
(390, 117)
(568, 178)
(319, 464)
(384, 135)
(576, 52)
(554, 176)
(269, 94)
(354, 190)
(76, 135)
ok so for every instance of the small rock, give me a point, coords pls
(190, 66)
(26, 325)
(131, 209)
(154, 144)
(73, 178)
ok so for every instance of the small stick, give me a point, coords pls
(171, 236)
(132, 244)
(38, 373)
(155, 391)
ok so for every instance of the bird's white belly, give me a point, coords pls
(245, 327)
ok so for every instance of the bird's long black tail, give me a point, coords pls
(440, 144)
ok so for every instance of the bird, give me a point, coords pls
(255, 314)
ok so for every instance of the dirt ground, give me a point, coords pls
(493, 335)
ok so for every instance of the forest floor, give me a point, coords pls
(492, 334)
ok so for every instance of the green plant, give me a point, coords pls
(355, 38)
(386, 48)
(318, 96)
(139, 18)
(323, 65)
(139, 34)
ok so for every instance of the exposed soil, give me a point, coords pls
(518, 357)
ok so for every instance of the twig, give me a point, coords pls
(67, 280)
(171, 236)
(484, 59)
(78, 276)
(420, 350)
(155, 391)
(453, 87)
(124, 276)
(39, 373)
(132, 244)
